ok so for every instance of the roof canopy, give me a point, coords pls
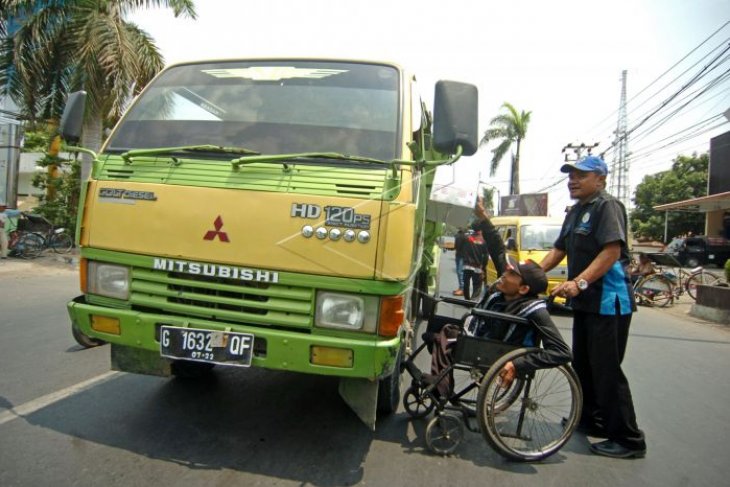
(704, 204)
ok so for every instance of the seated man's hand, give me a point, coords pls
(507, 374)
(479, 210)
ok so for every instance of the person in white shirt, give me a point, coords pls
(3, 233)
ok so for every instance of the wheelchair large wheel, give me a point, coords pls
(525, 422)
(444, 434)
(416, 403)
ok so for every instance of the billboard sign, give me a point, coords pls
(531, 204)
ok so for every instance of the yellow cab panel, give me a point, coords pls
(530, 237)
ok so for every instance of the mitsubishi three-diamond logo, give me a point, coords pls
(212, 234)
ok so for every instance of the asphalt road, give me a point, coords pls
(66, 420)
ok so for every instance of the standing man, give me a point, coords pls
(459, 244)
(594, 237)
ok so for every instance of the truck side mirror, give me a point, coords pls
(72, 119)
(455, 117)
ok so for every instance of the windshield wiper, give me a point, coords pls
(168, 151)
(284, 158)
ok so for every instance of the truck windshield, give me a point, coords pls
(539, 237)
(272, 107)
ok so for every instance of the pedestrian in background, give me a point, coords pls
(594, 237)
(459, 243)
(3, 233)
(474, 256)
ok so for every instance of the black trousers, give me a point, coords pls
(472, 283)
(599, 344)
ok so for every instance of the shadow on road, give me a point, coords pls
(275, 424)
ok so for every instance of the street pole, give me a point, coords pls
(578, 150)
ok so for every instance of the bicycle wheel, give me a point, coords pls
(539, 420)
(655, 290)
(702, 277)
(61, 243)
(29, 245)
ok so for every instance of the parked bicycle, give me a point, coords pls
(54, 238)
(33, 234)
(24, 245)
(670, 281)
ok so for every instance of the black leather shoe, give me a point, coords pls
(612, 449)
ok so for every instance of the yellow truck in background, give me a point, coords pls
(267, 213)
(530, 237)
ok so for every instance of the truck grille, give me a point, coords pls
(222, 299)
(362, 182)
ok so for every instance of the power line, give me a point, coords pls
(613, 113)
(703, 72)
(694, 95)
(678, 92)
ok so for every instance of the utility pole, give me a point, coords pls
(578, 150)
(620, 186)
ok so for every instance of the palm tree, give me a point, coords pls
(507, 128)
(53, 47)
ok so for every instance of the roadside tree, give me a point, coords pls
(507, 129)
(685, 180)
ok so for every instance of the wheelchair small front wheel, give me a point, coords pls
(444, 434)
(531, 420)
(416, 403)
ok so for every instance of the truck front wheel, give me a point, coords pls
(389, 389)
(85, 340)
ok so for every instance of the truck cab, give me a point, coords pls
(268, 213)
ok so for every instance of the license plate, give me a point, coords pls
(217, 347)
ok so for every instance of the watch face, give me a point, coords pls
(582, 284)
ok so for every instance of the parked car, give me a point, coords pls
(700, 250)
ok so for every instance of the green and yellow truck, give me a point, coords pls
(267, 213)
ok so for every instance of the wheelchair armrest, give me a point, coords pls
(483, 313)
(459, 302)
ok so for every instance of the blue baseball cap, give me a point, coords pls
(587, 164)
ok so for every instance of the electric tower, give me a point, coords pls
(619, 185)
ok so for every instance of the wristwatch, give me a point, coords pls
(582, 284)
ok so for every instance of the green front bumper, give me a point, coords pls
(373, 357)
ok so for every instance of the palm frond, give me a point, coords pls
(497, 155)
(179, 8)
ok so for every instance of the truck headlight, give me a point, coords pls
(346, 311)
(108, 280)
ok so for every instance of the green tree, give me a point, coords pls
(507, 129)
(685, 180)
(49, 48)
(60, 46)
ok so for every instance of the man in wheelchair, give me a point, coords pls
(515, 292)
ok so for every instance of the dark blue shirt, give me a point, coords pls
(586, 230)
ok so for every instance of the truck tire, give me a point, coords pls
(389, 389)
(692, 262)
(85, 340)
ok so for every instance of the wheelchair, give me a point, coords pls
(526, 420)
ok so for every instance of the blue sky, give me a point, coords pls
(561, 59)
